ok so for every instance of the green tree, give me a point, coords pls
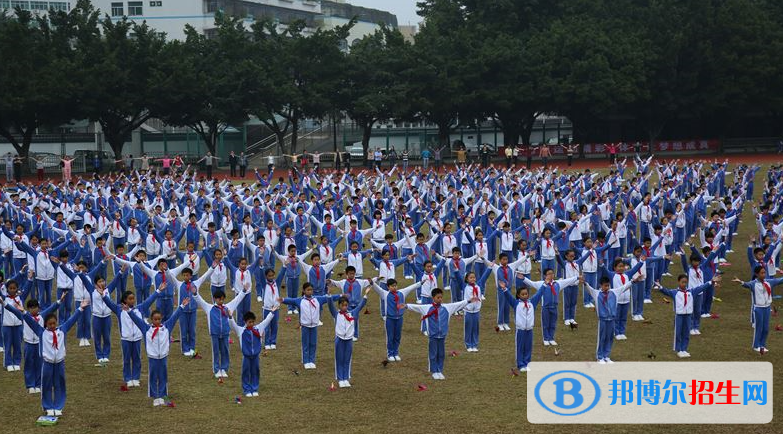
(297, 74)
(120, 64)
(206, 81)
(376, 83)
(37, 76)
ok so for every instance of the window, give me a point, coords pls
(24, 5)
(39, 6)
(117, 10)
(156, 4)
(212, 6)
(5, 4)
(59, 6)
(135, 8)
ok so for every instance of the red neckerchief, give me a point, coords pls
(255, 332)
(347, 316)
(433, 312)
(552, 288)
(55, 345)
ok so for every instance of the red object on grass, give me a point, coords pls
(779, 328)
(421, 387)
(124, 388)
(514, 373)
(714, 316)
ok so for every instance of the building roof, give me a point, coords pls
(348, 11)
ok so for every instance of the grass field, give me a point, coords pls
(480, 394)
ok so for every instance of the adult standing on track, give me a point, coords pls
(209, 162)
(242, 164)
(612, 149)
(569, 150)
(438, 157)
(232, 163)
(544, 154)
(509, 156)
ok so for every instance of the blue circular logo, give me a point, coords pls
(571, 398)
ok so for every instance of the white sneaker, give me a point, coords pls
(259, 299)
(217, 374)
(609, 361)
(397, 358)
(157, 402)
(705, 315)
(17, 368)
(483, 298)
(50, 412)
(267, 347)
(391, 359)
(312, 366)
(426, 333)
(698, 332)
(137, 383)
(553, 343)
(729, 251)
(129, 384)
(355, 339)
(686, 354)
(441, 376)
(506, 327)
(320, 323)
(693, 332)
(587, 306)
(81, 342)
(31, 390)
(757, 349)
(255, 394)
(601, 362)
(408, 277)
(765, 349)
(2, 350)
(308, 366)
(9, 368)
(87, 343)
(341, 383)
(249, 395)
(620, 337)
(546, 343)
(435, 376)
(418, 301)
(296, 311)
(567, 322)
(37, 390)
(274, 346)
(347, 383)
(647, 301)
(290, 312)
(58, 412)
(447, 288)
(667, 274)
(224, 373)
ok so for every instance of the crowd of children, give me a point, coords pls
(157, 239)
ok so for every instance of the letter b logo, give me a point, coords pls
(568, 387)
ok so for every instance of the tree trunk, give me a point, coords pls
(116, 144)
(527, 127)
(366, 134)
(294, 134)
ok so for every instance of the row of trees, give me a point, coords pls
(653, 61)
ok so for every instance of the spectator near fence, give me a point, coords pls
(209, 161)
(425, 158)
(242, 164)
(544, 154)
(9, 167)
(509, 156)
(438, 157)
(232, 163)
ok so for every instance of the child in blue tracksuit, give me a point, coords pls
(473, 291)
(343, 337)
(32, 350)
(187, 320)
(292, 264)
(130, 335)
(682, 298)
(217, 323)
(251, 339)
(761, 297)
(157, 341)
(52, 347)
(524, 318)
(309, 316)
(12, 327)
(606, 309)
(394, 300)
(437, 316)
(551, 296)
(352, 287)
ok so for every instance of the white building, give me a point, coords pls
(36, 6)
(336, 13)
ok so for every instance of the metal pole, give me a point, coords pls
(388, 131)
(165, 143)
(407, 131)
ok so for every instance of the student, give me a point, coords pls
(217, 323)
(309, 317)
(473, 309)
(101, 314)
(343, 337)
(130, 335)
(352, 288)
(761, 296)
(682, 297)
(12, 327)
(52, 342)
(524, 318)
(157, 341)
(32, 350)
(437, 316)
(143, 274)
(292, 270)
(393, 314)
(84, 325)
(551, 297)
(251, 337)
(606, 309)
